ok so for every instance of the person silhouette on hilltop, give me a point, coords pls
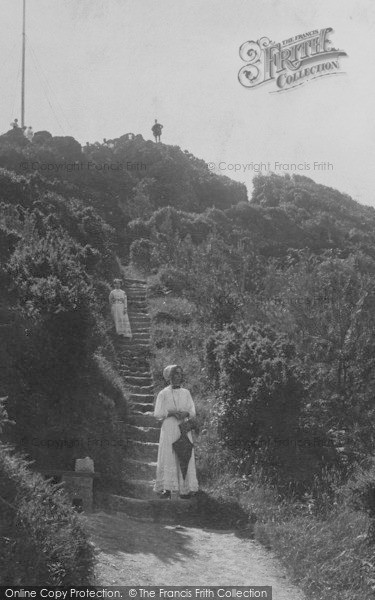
(14, 124)
(156, 130)
(29, 134)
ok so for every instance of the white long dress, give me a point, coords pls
(119, 309)
(168, 472)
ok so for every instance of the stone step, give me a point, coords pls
(135, 354)
(138, 385)
(140, 469)
(134, 358)
(144, 451)
(134, 281)
(134, 368)
(136, 350)
(136, 296)
(141, 335)
(144, 434)
(135, 347)
(138, 333)
(165, 511)
(143, 419)
(141, 389)
(140, 319)
(141, 362)
(135, 363)
(134, 342)
(142, 398)
(138, 380)
(144, 407)
(128, 372)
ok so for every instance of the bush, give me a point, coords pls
(141, 252)
(42, 540)
(361, 492)
(175, 280)
(45, 542)
(172, 310)
(260, 403)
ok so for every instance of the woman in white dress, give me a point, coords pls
(173, 405)
(119, 308)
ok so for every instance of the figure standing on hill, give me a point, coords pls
(14, 124)
(119, 308)
(29, 133)
(174, 405)
(156, 130)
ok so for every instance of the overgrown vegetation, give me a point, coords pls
(42, 540)
(268, 305)
(281, 367)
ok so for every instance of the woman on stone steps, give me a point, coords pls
(119, 308)
(173, 406)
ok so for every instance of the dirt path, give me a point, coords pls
(134, 552)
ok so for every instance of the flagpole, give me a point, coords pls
(23, 65)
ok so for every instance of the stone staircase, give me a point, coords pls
(142, 434)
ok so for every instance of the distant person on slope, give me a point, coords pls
(14, 124)
(29, 133)
(174, 405)
(156, 130)
(119, 308)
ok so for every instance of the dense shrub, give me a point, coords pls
(141, 254)
(174, 280)
(261, 403)
(361, 489)
(54, 301)
(42, 540)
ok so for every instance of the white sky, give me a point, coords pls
(115, 65)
